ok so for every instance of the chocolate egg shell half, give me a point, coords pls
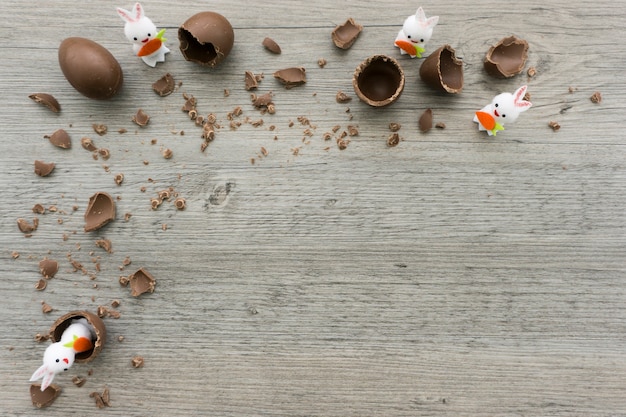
(206, 38)
(507, 57)
(90, 68)
(63, 322)
(100, 211)
(443, 71)
(378, 81)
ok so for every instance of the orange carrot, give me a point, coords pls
(82, 344)
(486, 120)
(406, 46)
(151, 47)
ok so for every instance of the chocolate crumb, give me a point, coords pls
(226, 92)
(342, 97)
(105, 244)
(440, 125)
(353, 130)
(271, 45)
(120, 338)
(41, 337)
(322, 62)
(137, 362)
(127, 216)
(554, 125)
(43, 169)
(532, 71)
(100, 129)
(118, 178)
(393, 140)
(115, 303)
(26, 227)
(46, 308)
(141, 118)
(596, 97)
(251, 82)
(167, 153)
(264, 151)
(79, 381)
(98, 399)
(60, 138)
(394, 127)
(104, 153)
(47, 100)
(527, 96)
(165, 85)
(88, 144)
(15, 254)
(180, 203)
(155, 203)
(41, 285)
(572, 89)
(106, 396)
(342, 143)
(425, 122)
(190, 103)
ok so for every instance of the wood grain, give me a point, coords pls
(453, 274)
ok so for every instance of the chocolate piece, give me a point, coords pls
(46, 308)
(291, 77)
(345, 35)
(43, 169)
(39, 209)
(596, 97)
(393, 140)
(88, 144)
(141, 282)
(26, 227)
(394, 126)
(165, 85)
(425, 122)
(47, 100)
(63, 322)
(554, 125)
(105, 244)
(45, 398)
(60, 138)
(206, 38)
(271, 45)
(250, 80)
(41, 285)
(440, 125)
(322, 62)
(180, 203)
(100, 211)
(378, 81)
(264, 100)
(141, 118)
(443, 71)
(79, 381)
(137, 362)
(342, 97)
(90, 68)
(507, 57)
(48, 267)
(100, 129)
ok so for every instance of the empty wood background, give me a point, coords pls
(454, 274)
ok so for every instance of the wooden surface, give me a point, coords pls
(454, 274)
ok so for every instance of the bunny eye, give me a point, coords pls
(58, 360)
(66, 369)
(135, 38)
(408, 36)
(496, 104)
(504, 115)
(148, 34)
(421, 40)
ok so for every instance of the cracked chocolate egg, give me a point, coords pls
(97, 325)
(507, 57)
(206, 38)
(443, 71)
(90, 68)
(378, 81)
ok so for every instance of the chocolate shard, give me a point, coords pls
(141, 118)
(45, 398)
(100, 211)
(443, 71)
(60, 138)
(425, 122)
(47, 100)
(291, 77)
(250, 80)
(507, 57)
(345, 35)
(43, 169)
(141, 282)
(48, 267)
(165, 85)
(271, 45)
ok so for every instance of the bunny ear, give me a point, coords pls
(39, 373)
(125, 15)
(47, 380)
(420, 15)
(431, 22)
(518, 98)
(138, 11)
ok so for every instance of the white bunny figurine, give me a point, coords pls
(147, 42)
(504, 107)
(415, 32)
(59, 356)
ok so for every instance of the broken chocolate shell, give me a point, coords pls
(43, 169)
(443, 71)
(141, 282)
(63, 322)
(100, 211)
(60, 138)
(379, 80)
(425, 122)
(141, 118)
(250, 81)
(48, 267)
(291, 77)
(345, 35)
(507, 57)
(47, 100)
(206, 38)
(271, 45)
(165, 85)
(45, 398)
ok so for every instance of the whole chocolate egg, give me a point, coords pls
(206, 38)
(90, 68)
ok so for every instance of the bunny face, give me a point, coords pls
(140, 31)
(418, 29)
(58, 358)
